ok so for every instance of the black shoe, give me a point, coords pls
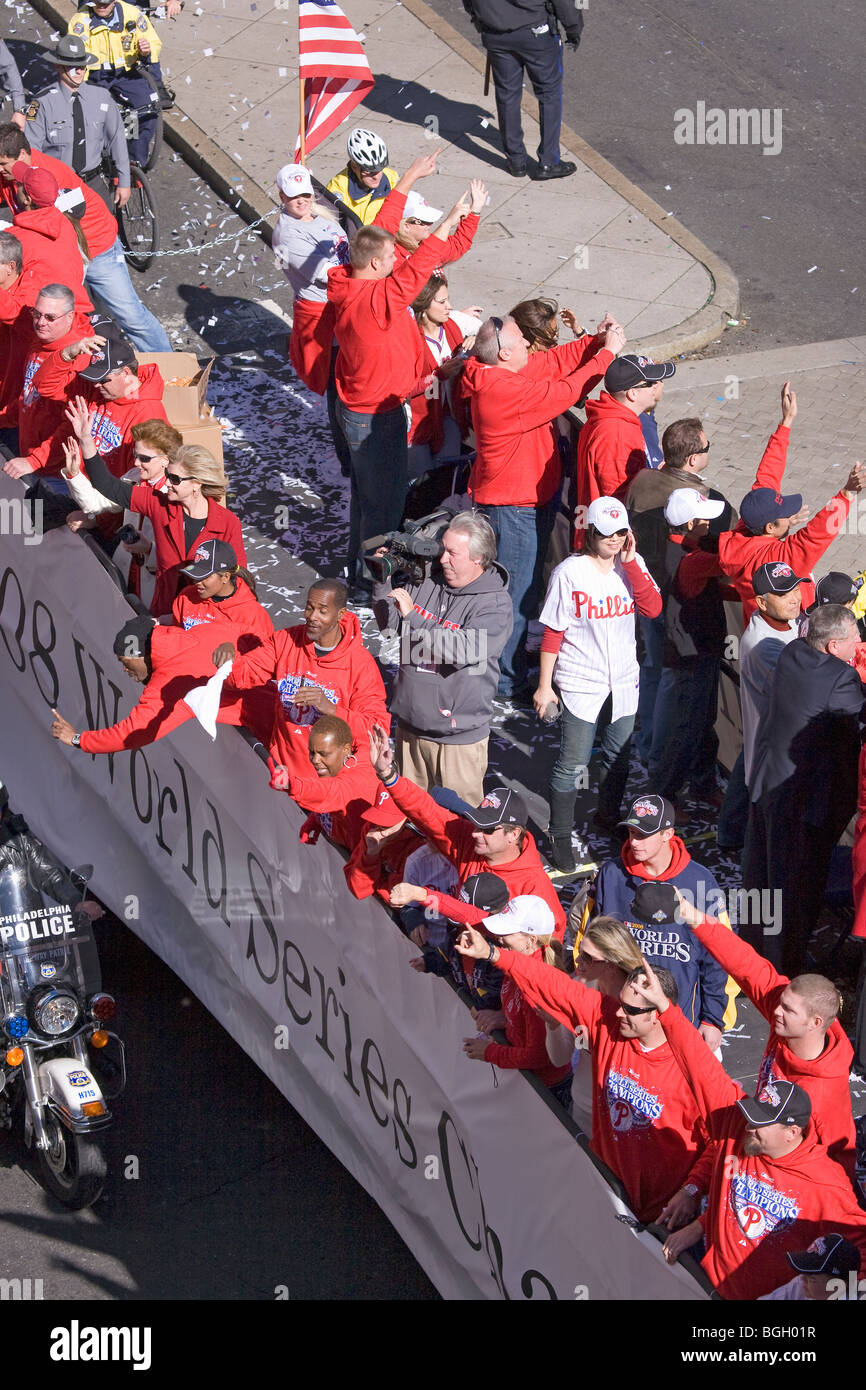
(516, 168)
(553, 171)
(166, 96)
(562, 854)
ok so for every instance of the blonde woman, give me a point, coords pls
(187, 514)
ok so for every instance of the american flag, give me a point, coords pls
(333, 67)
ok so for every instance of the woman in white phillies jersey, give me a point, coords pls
(588, 648)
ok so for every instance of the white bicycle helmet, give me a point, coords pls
(367, 150)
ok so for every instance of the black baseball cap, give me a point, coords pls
(835, 587)
(209, 558)
(649, 813)
(486, 891)
(763, 505)
(829, 1254)
(775, 578)
(114, 354)
(501, 806)
(777, 1103)
(655, 902)
(630, 370)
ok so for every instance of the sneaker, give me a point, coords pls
(166, 96)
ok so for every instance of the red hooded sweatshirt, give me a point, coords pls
(348, 674)
(452, 836)
(517, 459)
(51, 256)
(39, 418)
(338, 802)
(824, 1078)
(241, 608)
(97, 223)
(759, 1208)
(379, 362)
(379, 873)
(741, 552)
(180, 660)
(391, 214)
(647, 1120)
(57, 380)
(610, 450)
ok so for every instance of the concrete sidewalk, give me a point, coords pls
(593, 241)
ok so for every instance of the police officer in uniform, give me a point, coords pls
(10, 79)
(122, 40)
(520, 36)
(77, 123)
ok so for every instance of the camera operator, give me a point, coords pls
(454, 624)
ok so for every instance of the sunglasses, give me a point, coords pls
(590, 960)
(633, 1011)
(705, 450)
(498, 325)
(50, 318)
(177, 479)
(143, 458)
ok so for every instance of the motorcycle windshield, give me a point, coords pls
(43, 944)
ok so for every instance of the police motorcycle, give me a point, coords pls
(60, 1064)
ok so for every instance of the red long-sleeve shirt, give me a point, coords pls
(741, 553)
(758, 1208)
(379, 873)
(97, 223)
(39, 419)
(391, 214)
(57, 380)
(50, 255)
(647, 1120)
(452, 835)
(824, 1078)
(527, 1037)
(339, 801)
(610, 450)
(241, 608)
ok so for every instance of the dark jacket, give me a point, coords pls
(451, 642)
(807, 742)
(694, 625)
(25, 864)
(501, 16)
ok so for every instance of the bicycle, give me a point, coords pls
(138, 221)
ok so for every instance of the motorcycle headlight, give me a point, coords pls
(53, 1011)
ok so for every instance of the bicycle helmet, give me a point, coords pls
(367, 150)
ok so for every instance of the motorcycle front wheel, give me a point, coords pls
(73, 1167)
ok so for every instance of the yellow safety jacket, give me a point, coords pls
(366, 208)
(116, 49)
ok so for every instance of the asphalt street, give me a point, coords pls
(789, 223)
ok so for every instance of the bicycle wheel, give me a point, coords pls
(139, 221)
(156, 142)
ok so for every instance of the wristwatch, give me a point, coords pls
(76, 740)
(691, 1189)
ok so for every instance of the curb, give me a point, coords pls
(694, 332)
(253, 203)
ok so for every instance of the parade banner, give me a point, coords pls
(199, 857)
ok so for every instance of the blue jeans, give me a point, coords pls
(107, 280)
(522, 537)
(652, 631)
(685, 744)
(379, 460)
(575, 751)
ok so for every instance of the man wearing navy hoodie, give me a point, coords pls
(655, 854)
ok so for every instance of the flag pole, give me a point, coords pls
(302, 134)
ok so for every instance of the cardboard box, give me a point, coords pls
(208, 432)
(184, 405)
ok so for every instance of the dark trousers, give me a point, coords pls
(379, 459)
(135, 91)
(734, 813)
(540, 57)
(684, 743)
(789, 860)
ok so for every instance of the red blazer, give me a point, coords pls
(428, 411)
(171, 550)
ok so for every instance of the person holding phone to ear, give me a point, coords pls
(589, 649)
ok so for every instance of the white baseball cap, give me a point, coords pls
(417, 206)
(607, 514)
(294, 180)
(686, 504)
(527, 913)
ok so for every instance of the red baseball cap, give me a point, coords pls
(38, 184)
(384, 812)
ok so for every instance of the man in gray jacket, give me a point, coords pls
(454, 625)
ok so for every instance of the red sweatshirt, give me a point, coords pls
(610, 450)
(241, 608)
(51, 255)
(180, 661)
(379, 362)
(428, 410)
(647, 1120)
(348, 674)
(452, 836)
(758, 1208)
(340, 801)
(526, 1034)
(379, 873)
(97, 223)
(39, 418)
(825, 1078)
(391, 214)
(517, 460)
(57, 380)
(741, 553)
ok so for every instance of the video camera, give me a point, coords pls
(410, 552)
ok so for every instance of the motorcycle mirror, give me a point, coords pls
(83, 874)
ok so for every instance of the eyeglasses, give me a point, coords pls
(177, 478)
(143, 458)
(50, 318)
(586, 959)
(632, 1011)
(498, 325)
(416, 222)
